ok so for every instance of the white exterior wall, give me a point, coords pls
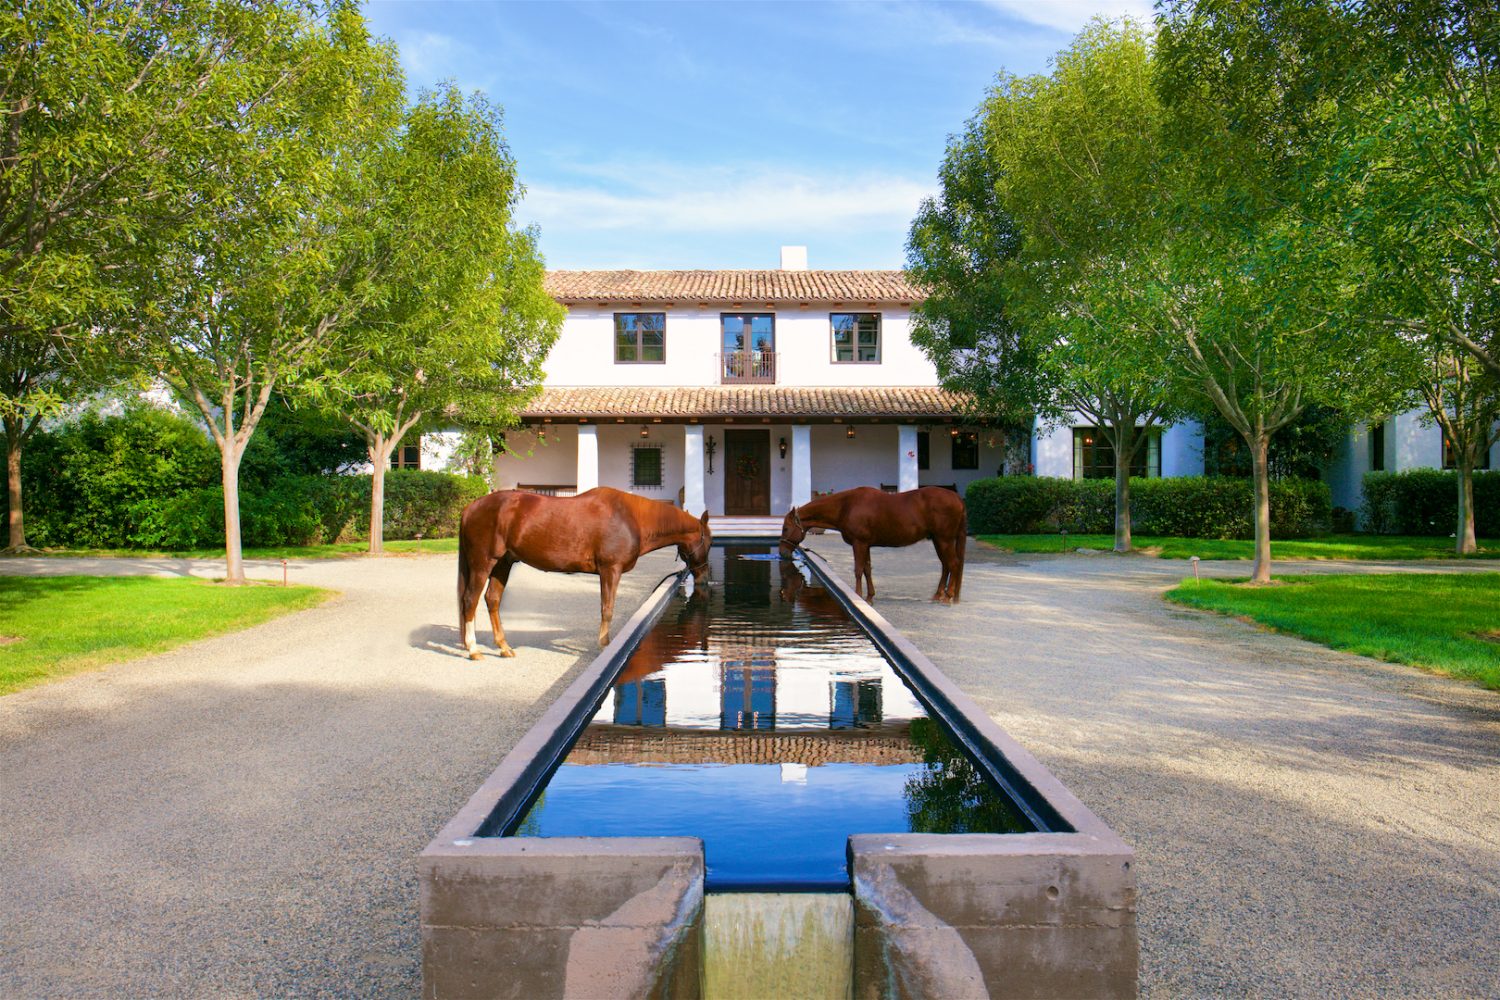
(552, 461)
(585, 356)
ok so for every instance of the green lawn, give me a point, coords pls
(333, 550)
(1447, 622)
(57, 625)
(1323, 547)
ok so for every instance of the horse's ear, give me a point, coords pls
(704, 519)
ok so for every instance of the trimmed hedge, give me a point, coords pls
(1183, 506)
(149, 478)
(1425, 502)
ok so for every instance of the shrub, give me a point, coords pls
(1425, 502)
(1186, 506)
(92, 482)
(426, 502)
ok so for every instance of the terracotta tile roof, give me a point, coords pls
(731, 286)
(916, 402)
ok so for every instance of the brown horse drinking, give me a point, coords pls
(866, 516)
(603, 531)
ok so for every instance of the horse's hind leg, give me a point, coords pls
(862, 570)
(474, 581)
(609, 581)
(945, 581)
(499, 577)
(956, 573)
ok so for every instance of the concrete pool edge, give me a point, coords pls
(1020, 914)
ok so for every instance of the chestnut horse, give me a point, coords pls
(602, 531)
(866, 516)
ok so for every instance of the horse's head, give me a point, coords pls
(695, 554)
(792, 532)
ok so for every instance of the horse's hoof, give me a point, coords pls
(476, 655)
(507, 652)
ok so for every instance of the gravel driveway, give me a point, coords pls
(242, 816)
(1307, 823)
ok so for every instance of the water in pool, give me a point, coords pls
(762, 719)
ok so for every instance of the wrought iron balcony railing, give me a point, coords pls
(748, 367)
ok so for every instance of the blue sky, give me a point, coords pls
(680, 135)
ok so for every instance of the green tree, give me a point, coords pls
(99, 99)
(1035, 298)
(1261, 284)
(249, 287)
(459, 324)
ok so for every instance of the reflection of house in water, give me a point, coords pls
(780, 656)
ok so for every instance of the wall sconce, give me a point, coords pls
(953, 432)
(645, 431)
(849, 433)
(709, 447)
(781, 446)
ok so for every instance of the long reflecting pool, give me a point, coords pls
(759, 717)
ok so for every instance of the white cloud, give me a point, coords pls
(722, 200)
(1071, 15)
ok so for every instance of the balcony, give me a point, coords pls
(748, 368)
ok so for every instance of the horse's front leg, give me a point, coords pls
(492, 597)
(609, 581)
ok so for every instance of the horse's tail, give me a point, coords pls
(956, 580)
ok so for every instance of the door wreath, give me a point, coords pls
(748, 467)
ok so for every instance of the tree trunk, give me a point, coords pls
(229, 461)
(380, 457)
(1260, 446)
(1124, 449)
(13, 445)
(1465, 542)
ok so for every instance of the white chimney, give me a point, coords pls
(794, 258)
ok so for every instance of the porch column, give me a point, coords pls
(801, 465)
(692, 470)
(588, 457)
(906, 444)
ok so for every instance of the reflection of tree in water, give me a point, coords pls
(949, 794)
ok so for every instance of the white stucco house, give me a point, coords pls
(745, 392)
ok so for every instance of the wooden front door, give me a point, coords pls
(747, 472)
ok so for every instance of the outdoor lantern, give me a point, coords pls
(781, 445)
(849, 433)
(953, 432)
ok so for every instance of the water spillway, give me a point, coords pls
(761, 718)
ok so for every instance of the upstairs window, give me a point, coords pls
(645, 466)
(856, 338)
(1094, 456)
(640, 338)
(966, 450)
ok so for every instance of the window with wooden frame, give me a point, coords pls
(1094, 456)
(407, 457)
(646, 466)
(1450, 457)
(640, 338)
(856, 338)
(965, 450)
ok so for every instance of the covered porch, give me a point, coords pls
(746, 453)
